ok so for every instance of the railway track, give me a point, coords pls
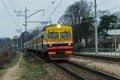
(73, 74)
(80, 72)
(115, 59)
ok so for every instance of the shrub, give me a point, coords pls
(5, 56)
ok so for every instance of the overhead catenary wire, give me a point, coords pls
(114, 8)
(12, 4)
(14, 8)
(54, 10)
(100, 2)
(103, 3)
(9, 13)
(51, 5)
(47, 11)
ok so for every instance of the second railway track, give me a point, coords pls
(107, 58)
(81, 72)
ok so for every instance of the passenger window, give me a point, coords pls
(65, 34)
(53, 35)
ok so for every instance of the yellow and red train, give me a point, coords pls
(53, 41)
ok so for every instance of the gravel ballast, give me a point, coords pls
(112, 68)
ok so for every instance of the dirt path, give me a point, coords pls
(13, 72)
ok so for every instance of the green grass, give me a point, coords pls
(32, 69)
(2, 72)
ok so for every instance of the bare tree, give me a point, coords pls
(75, 16)
(74, 13)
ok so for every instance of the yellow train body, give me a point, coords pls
(55, 41)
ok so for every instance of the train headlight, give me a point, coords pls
(69, 44)
(58, 26)
(50, 45)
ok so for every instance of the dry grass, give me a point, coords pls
(6, 56)
(12, 71)
(12, 61)
(32, 69)
(4, 52)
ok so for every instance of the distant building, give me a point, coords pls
(114, 32)
(114, 36)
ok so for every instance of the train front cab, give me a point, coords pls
(59, 41)
(59, 52)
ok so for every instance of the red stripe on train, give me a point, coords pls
(59, 47)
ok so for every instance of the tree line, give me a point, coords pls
(79, 15)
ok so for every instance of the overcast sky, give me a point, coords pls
(9, 22)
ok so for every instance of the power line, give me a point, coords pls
(103, 3)
(114, 8)
(51, 5)
(12, 4)
(54, 9)
(47, 11)
(9, 13)
(48, 8)
(109, 3)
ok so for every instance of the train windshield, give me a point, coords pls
(53, 35)
(65, 34)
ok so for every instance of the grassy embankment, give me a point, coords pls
(32, 69)
(6, 56)
(7, 60)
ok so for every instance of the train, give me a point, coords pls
(53, 41)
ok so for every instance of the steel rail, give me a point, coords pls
(103, 74)
(116, 59)
(78, 77)
(73, 74)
